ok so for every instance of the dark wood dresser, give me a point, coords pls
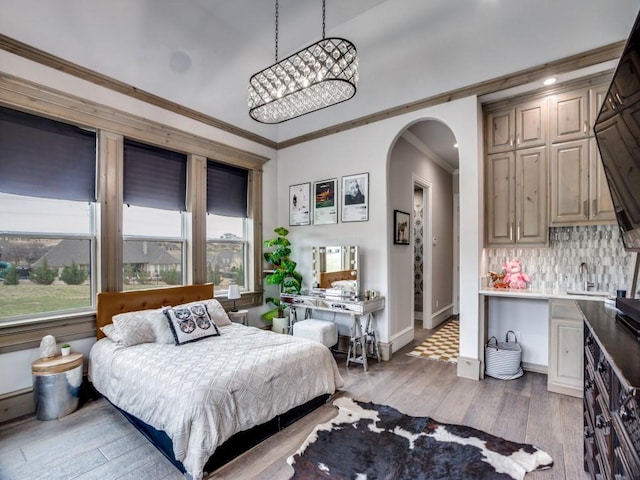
(611, 395)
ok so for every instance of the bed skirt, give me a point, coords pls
(234, 446)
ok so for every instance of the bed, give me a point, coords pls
(202, 402)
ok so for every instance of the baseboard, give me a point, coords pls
(469, 368)
(534, 367)
(16, 404)
(386, 350)
(402, 338)
(440, 316)
(571, 391)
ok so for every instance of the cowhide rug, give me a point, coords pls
(368, 441)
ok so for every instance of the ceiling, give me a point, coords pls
(201, 53)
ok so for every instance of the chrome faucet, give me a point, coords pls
(584, 272)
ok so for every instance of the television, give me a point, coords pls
(617, 132)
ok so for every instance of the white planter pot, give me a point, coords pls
(65, 351)
(280, 325)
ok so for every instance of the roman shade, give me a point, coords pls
(226, 190)
(154, 177)
(46, 158)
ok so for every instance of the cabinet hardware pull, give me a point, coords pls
(518, 232)
(511, 232)
(618, 98)
(518, 139)
(586, 127)
(511, 141)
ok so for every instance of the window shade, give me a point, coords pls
(154, 177)
(226, 190)
(46, 158)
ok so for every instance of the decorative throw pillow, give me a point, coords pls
(216, 311)
(190, 323)
(138, 327)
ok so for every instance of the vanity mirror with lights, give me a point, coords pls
(335, 268)
(336, 290)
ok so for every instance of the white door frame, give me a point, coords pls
(427, 264)
(456, 253)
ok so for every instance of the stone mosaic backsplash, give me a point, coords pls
(557, 267)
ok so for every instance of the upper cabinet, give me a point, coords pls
(522, 126)
(579, 194)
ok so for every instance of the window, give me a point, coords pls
(47, 207)
(227, 243)
(153, 216)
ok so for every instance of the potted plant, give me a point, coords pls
(65, 349)
(284, 275)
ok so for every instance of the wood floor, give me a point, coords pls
(96, 442)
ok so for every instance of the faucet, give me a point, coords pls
(584, 272)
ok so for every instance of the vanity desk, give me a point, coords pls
(363, 341)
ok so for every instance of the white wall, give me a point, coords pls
(368, 149)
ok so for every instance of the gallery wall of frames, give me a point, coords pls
(323, 202)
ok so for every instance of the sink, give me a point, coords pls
(589, 293)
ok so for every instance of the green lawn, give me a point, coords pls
(29, 298)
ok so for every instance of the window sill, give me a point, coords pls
(26, 334)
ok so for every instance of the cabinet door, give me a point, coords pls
(531, 124)
(531, 226)
(566, 348)
(568, 112)
(501, 130)
(597, 96)
(569, 175)
(601, 208)
(500, 196)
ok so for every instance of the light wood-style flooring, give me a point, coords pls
(96, 442)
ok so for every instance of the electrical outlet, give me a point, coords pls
(437, 303)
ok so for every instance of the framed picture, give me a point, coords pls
(325, 204)
(300, 204)
(355, 198)
(401, 226)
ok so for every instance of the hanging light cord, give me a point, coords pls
(323, 15)
(276, 31)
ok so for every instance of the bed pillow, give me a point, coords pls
(215, 309)
(133, 328)
(190, 323)
(110, 332)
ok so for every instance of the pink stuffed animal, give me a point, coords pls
(514, 277)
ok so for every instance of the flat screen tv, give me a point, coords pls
(617, 132)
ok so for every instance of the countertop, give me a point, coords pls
(539, 294)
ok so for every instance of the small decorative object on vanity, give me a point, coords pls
(48, 346)
(65, 349)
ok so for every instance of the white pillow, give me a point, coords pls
(141, 326)
(110, 332)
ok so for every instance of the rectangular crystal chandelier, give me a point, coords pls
(316, 77)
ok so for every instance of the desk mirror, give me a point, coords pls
(336, 268)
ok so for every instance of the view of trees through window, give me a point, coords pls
(44, 275)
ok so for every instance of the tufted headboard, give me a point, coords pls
(112, 303)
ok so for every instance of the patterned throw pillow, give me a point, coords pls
(215, 309)
(190, 323)
(110, 332)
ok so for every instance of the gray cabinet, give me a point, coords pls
(566, 347)
(513, 127)
(579, 194)
(516, 194)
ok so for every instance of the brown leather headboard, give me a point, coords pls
(112, 303)
(326, 279)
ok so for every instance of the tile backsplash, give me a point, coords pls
(557, 267)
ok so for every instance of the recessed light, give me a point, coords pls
(455, 145)
(550, 81)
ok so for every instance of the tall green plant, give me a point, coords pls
(284, 271)
(43, 275)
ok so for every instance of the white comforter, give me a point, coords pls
(202, 393)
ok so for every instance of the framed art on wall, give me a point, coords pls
(299, 204)
(325, 208)
(401, 221)
(355, 198)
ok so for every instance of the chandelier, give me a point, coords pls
(316, 77)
